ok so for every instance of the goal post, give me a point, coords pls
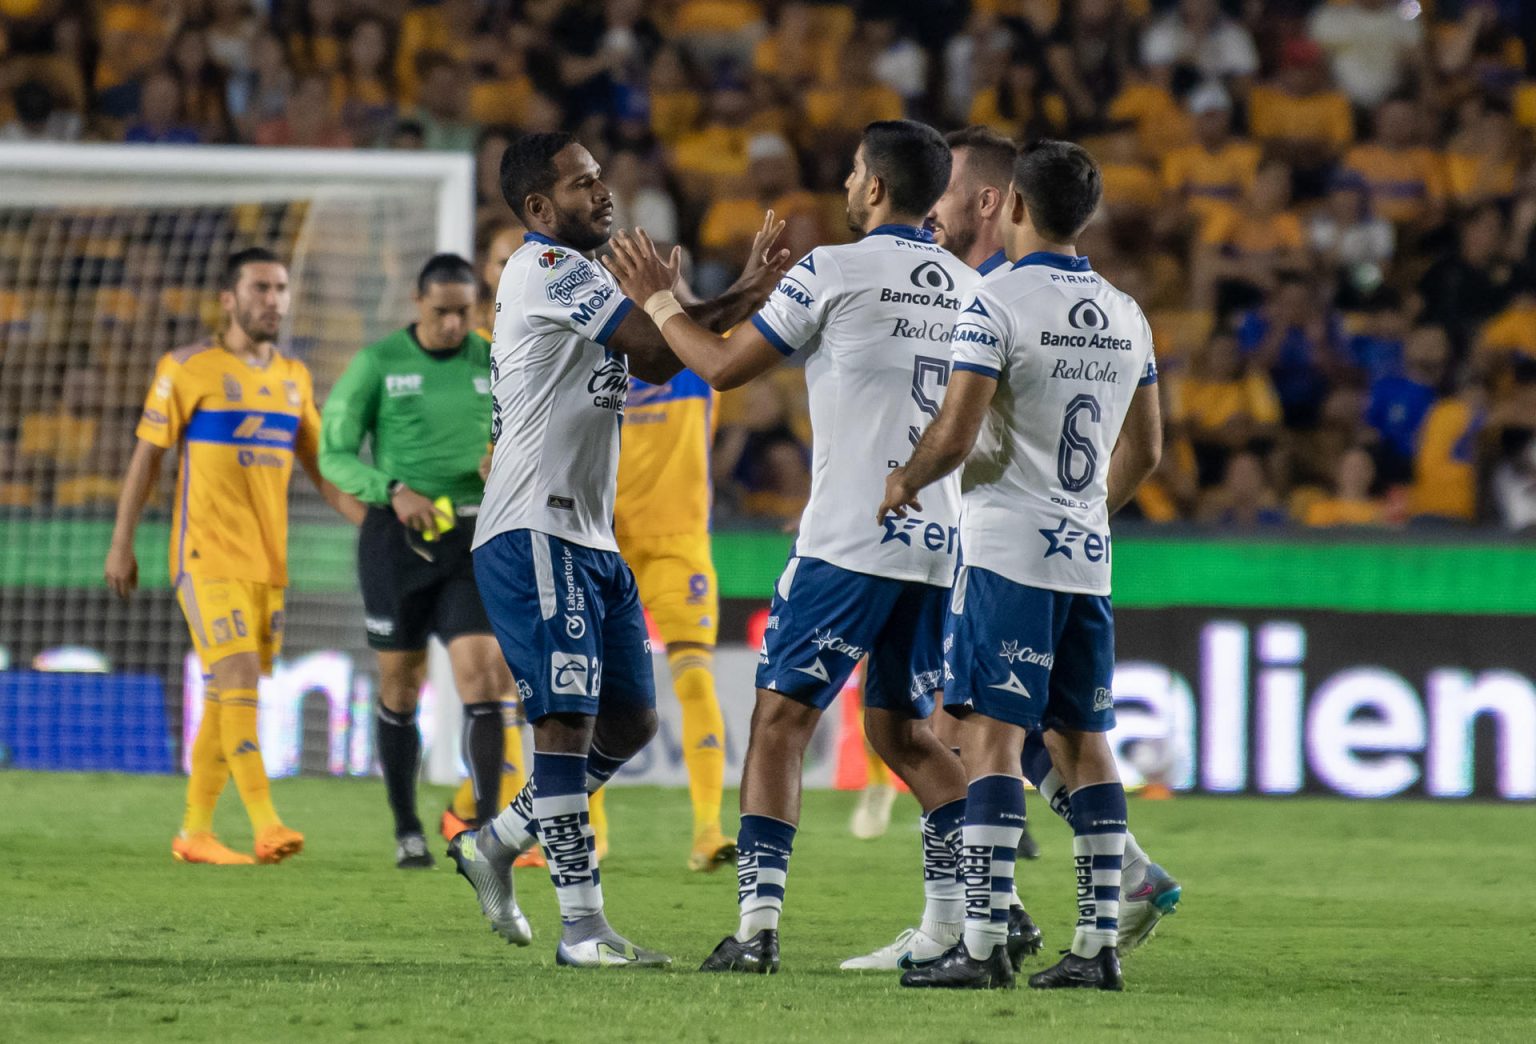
(110, 255)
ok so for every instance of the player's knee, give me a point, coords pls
(625, 734)
(780, 718)
(239, 671)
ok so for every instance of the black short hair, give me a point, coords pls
(911, 161)
(528, 166)
(1061, 186)
(992, 155)
(240, 258)
(446, 268)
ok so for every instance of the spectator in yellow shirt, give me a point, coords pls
(1351, 503)
(1225, 404)
(773, 179)
(1406, 181)
(1217, 169)
(1247, 246)
(1449, 455)
(1299, 116)
(1482, 162)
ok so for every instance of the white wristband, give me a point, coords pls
(661, 306)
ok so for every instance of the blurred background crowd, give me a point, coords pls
(1326, 207)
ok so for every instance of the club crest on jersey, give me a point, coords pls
(232, 390)
(291, 390)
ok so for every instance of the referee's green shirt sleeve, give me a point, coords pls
(348, 418)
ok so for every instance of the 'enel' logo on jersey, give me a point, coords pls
(935, 536)
(1061, 540)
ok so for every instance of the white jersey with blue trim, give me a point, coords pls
(557, 397)
(872, 320)
(1068, 352)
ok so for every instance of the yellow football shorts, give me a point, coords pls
(676, 578)
(232, 616)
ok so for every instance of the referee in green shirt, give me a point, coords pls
(421, 397)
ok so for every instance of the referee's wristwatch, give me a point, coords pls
(395, 486)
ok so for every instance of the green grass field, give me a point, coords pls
(1303, 920)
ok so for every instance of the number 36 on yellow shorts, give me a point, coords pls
(232, 616)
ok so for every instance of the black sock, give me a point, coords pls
(484, 739)
(400, 758)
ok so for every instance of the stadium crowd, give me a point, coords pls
(1326, 208)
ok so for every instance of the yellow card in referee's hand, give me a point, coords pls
(443, 518)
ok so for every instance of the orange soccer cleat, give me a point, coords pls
(452, 825)
(203, 847)
(533, 857)
(277, 842)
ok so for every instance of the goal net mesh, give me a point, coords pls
(100, 274)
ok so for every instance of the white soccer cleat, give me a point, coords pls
(492, 882)
(608, 953)
(913, 948)
(873, 816)
(1158, 896)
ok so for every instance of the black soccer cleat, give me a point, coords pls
(958, 970)
(1024, 938)
(1081, 973)
(1029, 848)
(759, 955)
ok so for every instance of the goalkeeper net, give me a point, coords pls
(109, 257)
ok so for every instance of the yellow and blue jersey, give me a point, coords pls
(664, 459)
(238, 427)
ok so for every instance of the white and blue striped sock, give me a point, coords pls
(560, 808)
(1098, 851)
(943, 894)
(989, 843)
(763, 846)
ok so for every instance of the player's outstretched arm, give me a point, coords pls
(1139, 449)
(122, 567)
(944, 446)
(646, 279)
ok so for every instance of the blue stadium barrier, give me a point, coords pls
(84, 722)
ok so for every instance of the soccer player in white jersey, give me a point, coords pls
(1050, 364)
(968, 221)
(872, 321)
(561, 601)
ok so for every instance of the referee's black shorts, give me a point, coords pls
(413, 589)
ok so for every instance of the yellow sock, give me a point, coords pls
(703, 733)
(242, 750)
(514, 771)
(209, 770)
(464, 801)
(597, 814)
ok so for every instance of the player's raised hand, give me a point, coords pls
(122, 571)
(899, 495)
(765, 264)
(639, 269)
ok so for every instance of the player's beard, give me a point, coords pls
(250, 321)
(855, 219)
(582, 234)
(959, 241)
